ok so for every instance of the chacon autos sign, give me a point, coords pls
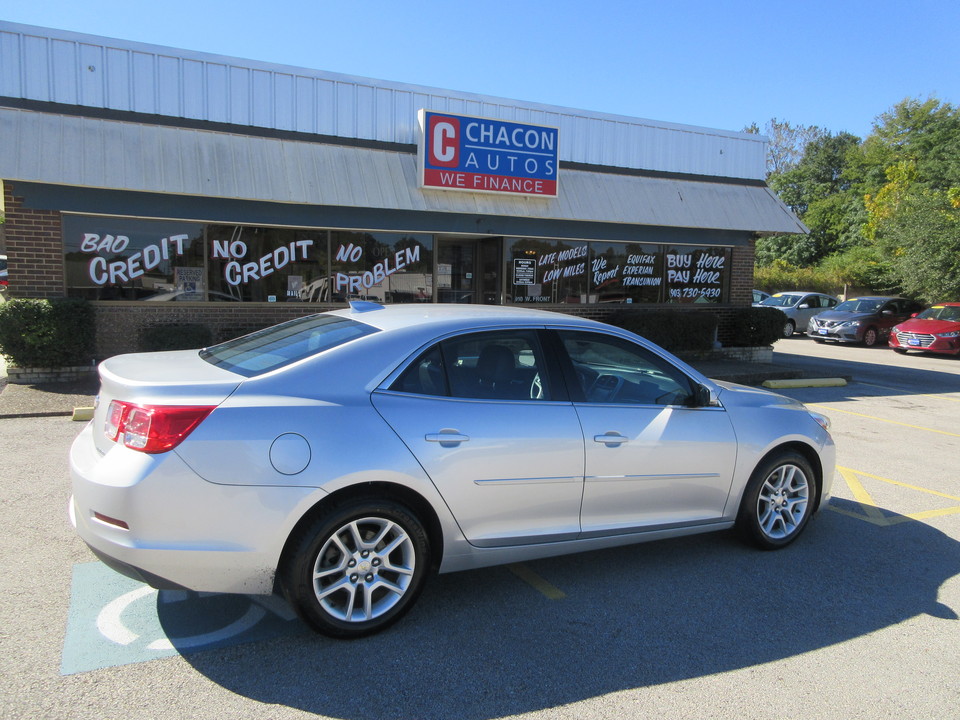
(459, 152)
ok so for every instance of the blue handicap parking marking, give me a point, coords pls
(115, 620)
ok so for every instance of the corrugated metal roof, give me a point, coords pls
(99, 153)
(56, 66)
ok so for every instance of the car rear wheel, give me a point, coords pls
(789, 328)
(870, 337)
(358, 569)
(778, 501)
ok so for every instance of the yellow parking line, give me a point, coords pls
(892, 422)
(861, 495)
(537, 582)
(873, 514)
(843, 472)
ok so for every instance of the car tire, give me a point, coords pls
(357, 569)
(870, 336)
(789, 328)
(900, 351)
(778, 501)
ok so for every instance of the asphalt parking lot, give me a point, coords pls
(858, 619)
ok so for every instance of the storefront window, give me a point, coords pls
(697, 274)
(130, 259)
(626, 272)
(546, 271)
(382, 267)
(134, 259)
(257, 264)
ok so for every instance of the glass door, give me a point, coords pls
(469, 270)
(456, 271)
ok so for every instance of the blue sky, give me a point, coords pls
(723, 65)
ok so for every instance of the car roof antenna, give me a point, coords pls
(361, 306)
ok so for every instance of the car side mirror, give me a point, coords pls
(804, 307)
(886, 312)
(702, 396)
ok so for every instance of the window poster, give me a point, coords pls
(547, 271)
(626, 272)
(696, 274)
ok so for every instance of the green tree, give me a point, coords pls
(911, 173)
(820, 190)
(922, 242)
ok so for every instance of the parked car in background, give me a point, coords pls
(342, 457)
(759, 296)
(866, 320)
(799, 307)
(936, 330)
(3, 273)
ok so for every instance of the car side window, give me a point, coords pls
(424, 376)
(500, 365)
(614, 370)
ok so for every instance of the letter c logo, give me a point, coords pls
(444, 141)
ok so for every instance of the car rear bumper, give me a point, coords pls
(152, 518)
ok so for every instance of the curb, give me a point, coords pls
(82, 414)
(805, 382)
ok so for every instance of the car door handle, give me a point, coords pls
(446, 437)
(610, 438)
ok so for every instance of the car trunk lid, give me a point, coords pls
(180, 378)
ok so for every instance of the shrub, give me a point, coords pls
(60, 332)
(174, 336)
(755, 326)
(673, 330)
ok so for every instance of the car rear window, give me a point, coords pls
(280, 345)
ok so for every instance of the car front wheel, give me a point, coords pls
(870, 337)
(778, 501)
(789, 328)
(358, 569)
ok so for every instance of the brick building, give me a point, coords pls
(170, 186)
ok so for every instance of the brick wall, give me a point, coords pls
(34, 250)
(119, 323)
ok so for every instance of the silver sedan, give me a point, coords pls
(341, 458)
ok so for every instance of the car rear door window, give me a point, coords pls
(499, 365)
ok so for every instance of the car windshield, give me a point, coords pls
(781, 301)
(859, 305)
(274, 347)
(941, 312)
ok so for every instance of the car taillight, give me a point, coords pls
(152, 428)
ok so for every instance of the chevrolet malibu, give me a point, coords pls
(341, 458)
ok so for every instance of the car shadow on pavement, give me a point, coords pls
(486, 644)
(859, 372)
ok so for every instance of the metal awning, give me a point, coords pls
(111, 154)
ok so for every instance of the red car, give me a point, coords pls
(936, 329)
